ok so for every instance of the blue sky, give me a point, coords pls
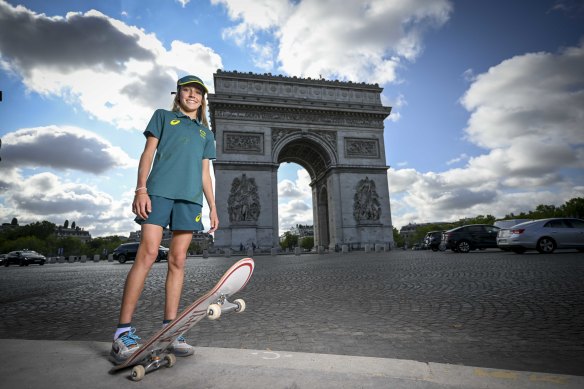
(487, 96)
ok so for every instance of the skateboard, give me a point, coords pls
(154, 354)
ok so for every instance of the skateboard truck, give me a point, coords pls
(222, 305)
(152, 363)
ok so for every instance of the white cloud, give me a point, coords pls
(461, 157)
(121, 79)
(294, 212)
(295, 201)
(371, 39)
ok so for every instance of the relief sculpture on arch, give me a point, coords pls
(244, 201)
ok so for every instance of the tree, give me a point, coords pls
(307, 243)
(574, 208)
(545, 211)
(66, 224)
(73, 225)
(14, 222)
(41, 230)
(398, 240)
(290, 240)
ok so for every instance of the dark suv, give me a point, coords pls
(24, 258)
(470, 237)
(127, 252)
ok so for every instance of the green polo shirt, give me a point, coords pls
(183, 144)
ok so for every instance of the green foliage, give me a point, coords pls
(307, 242)
(574, 208)
(97, 246)
(398, 240)
(41, 237)
(571, 208)
(290, 241)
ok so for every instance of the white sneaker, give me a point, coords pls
(180, 348)
(124, 346)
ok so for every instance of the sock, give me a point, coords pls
(125, 327)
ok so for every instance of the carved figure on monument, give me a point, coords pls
(367, 206)
(244, 202)
(368, 148)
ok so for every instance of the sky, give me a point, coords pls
(487, 97)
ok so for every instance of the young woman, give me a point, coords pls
(171, 194)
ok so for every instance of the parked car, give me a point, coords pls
(470, 237)
(24, 258)
(544, 235)
(2, 257)
(127, 252)
(432, 240)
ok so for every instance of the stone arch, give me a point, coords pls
(308, 150)
(332, 129)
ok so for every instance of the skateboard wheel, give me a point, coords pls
(170, 360)
(214, 311)
(138, 372)
(240, 305)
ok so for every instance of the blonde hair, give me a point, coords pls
(201, 111)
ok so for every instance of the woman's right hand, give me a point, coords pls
(142, 205)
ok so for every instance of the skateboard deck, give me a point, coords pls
(153, 354)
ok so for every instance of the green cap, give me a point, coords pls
(191, 80)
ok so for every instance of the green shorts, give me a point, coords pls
(178, 215)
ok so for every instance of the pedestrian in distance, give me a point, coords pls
(173, 176)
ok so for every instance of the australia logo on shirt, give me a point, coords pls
(174, 122)
(203, 134)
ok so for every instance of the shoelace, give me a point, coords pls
(130, 338)
(181, 339)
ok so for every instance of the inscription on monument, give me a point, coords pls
(361, 148)
(330, 119)
(367, 207)
(236, 142)
(243, 202)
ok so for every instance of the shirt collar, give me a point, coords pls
(180, 114)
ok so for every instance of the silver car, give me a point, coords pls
(544, 235)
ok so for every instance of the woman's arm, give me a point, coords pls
(209, 195)
(142, 205)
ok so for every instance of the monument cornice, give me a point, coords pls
(262, 102)
(304, 115)
(235, 75)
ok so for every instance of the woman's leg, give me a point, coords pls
(176, 271)
(145, 257)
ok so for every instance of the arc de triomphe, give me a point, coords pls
(332, 129)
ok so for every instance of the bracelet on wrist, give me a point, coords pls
(140, 188)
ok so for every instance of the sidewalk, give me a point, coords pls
(68, 364)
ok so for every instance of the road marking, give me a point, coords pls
(272, 355)
(508, 375)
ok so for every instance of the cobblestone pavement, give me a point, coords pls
(489, 309)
